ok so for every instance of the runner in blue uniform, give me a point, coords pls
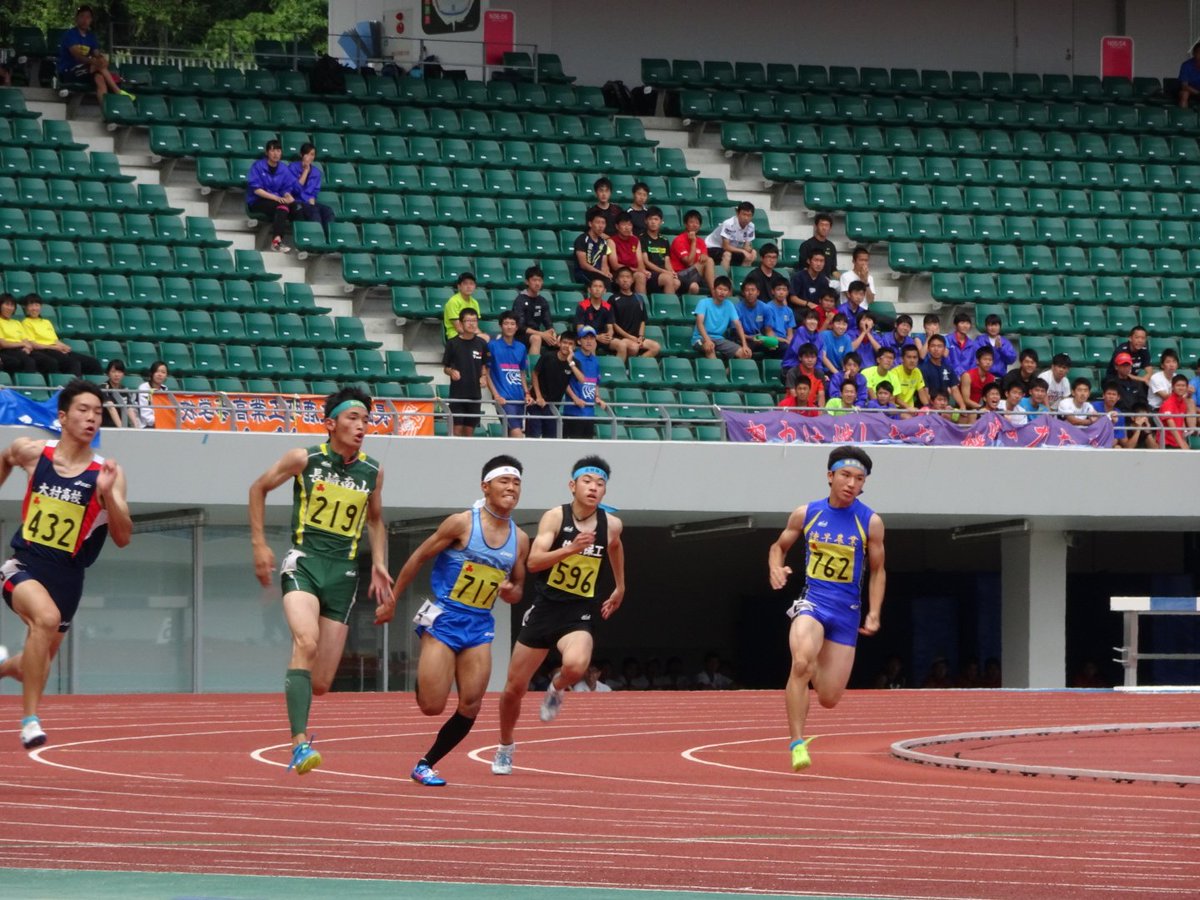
(840, 534)
(73, 501)
(480, 556)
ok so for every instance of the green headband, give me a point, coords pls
(345, 405)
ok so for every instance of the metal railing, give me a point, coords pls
(1134, 607)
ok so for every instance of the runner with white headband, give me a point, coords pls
(480, 558)
(840, 534)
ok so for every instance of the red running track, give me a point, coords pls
(651, 790)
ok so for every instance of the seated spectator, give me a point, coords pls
(1159, 386)
(1139, 431)
(806, 370)
(931, 326)
(657, 252)
(689, 257)
(781, 323)
(591, 681)
(969, 675)
(1076, 409)
(846, 401)
(1189, 77)
(504, 376)
(900, 335)
(676, 679)
(939, 675)
(716, 317)
(463, 298)
(631, 677)
(156, 381)
(909, 383)
(854, 303)
(625, 251)
(800, 398)
(602, 188)
(596, 313)
(1011, 405)
(935, 369)
(1004, 352)
(892, 677)
(732, 242)
(1132, 390)
(860, 271)
(990, 400)
(47, 348)
(1025, 374)
(765, 275)
(119, 403)
(939, 402)
(851, 373)
(465, 360)
(1178, 415)
(866, 342)
(711, 678)
(826, 308)
(629, 319)
(16, 350)
(835, 344)
(810, 283)
(754, 316)
(549, 381)
(820, 243)
(991, 673)
(639, 211)
(592, 249)
(1035, 402)
(654, 672)
(1088, 675)
(976, 379)
(583, 396)
(1056, 378)
(883, 399)
(308, 178)
(81, 62)
(271, 191)
(1139, 354)
(534, 323)
(807, 333)
(880, 371)
(961, 347)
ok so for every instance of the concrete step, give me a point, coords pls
(671, 138)
(145, 174)
(50, 109)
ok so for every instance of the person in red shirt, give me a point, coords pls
(1178, 413)
(798, 398)
(975, 380)
(625, 252)
(689, 256)
(806, 370)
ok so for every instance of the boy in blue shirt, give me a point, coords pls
(883, 399)
(579, 408)
(1036, 402)
(753, 315)
(866, 342)
(850, 374)
(81, 62)
(715, 316)
(835, 344)
(505, 374)
(782, 321)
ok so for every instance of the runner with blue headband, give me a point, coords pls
(842, 536)
(336, 491)
(566, 557)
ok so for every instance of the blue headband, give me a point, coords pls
(343, 406)
(850, 462)
(589, 470)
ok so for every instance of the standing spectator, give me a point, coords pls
(860, 271)
(308, 179)
(639, 212)
(119, 402)
(16, 350)
(961, 347)
(626, 252)
(592, 249)
(689, 257)
(505, 376)
(781, 321)
(764, 274)
(1178, 415)
(583, 390)
(851, 374)
(908, 382)
(936, 371)
(534, 323)
(41, 335)
(550, 378)
(1025, 374)
(820, 243)
(1138, 351)
(715, 317)
(1004, 354)
(80, 60)
(1056, 378)
(1189, 77)
(629, 319)
(156, 382)
(975, 380)
(835, 344)
(602, 188)
(271, 191)
(1076, 409)
(1132, 390)
(732, 242)
(1159, 386)
(596, 313)
(462, 299)
(809, 284)
(657, 250)
(464, 360)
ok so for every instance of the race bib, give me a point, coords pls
(576, 575)
(426, 615)
(53, 523)
(830, 562)
(477, 585)
(335, 509)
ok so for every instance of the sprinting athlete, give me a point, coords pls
(840, 534)
(480, 557)
(336, 490)
(572, 542)
(74, 499)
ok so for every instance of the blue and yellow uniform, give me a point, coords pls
(466, 583)
(835, 547)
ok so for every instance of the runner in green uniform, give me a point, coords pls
(337, 489)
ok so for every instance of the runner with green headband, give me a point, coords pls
(572, 542)
(842, 537)
(337, 489)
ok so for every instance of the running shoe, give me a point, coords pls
(304, 758)
(31, 733)
(3, 654)
(551, 704)
(425, 775)
(279, 246)
(502, 762)
(125, 93)
(800, 758)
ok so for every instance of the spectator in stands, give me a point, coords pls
(853, 304)
(989, 401)
(806, 370)
(732, 242)
(631, 677)
(939, 402)
(754, 316)
(939, 675)
(550, 378)
(629, 319)
(715, 318)
(1138, 351)
(639, 212)
(961, 347)
(991, 673)
(579, 415)
(1075, 408)
(591, 681)
(1004, 352)
(781, 322)
(835, 344)
(820, 243)
(883, 399)
(808, 333)
(464, 360)
(1025, 374)
(859, 271)
(462, 299)
(308, 178)
(505, 376)
(271, 191)
(592, 249)
(900, 335)
(936, 371)
(976, 379)
(602, 188)
(119, 402)
(908, 382)
(931, 326)
(657, 250)
(1035, 402)
(1140, 432)
(1194, 384)
(800, 398)
(827, 307)
(880, 371)
(1056, 378)
(1011, 405)
(844, 402)
(1110, 397)
(626, 252)
(41, 334)
(16, 350)
(866, 341)
(764, 274)
(675, 679)
(1189, 77)
(809, 283)
(596, 313)
(156, 381)
(1132, 390)
(1178, 415)
(892, 676)
(1088, 675)
(689, 256)
(534, 323)
(1159, 387)
(969, 675)
(710, 678)
(851, 373)
(80, 60)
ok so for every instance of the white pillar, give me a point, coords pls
(501, 646)
(1033, 588)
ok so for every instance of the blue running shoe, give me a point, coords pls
(425, 775)
(304, 758)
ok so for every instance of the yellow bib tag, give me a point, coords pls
(477, 585)
(335, 509)
(52, 522)
(830, 562)
(576, 575)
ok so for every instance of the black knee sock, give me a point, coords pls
(456, 728)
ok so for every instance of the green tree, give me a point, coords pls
(307, 20)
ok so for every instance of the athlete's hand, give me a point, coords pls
(613, 603)
(385, 609)
(583, 540)
(381, 584)
(107, 477)
(780, 576)
(264, 564)
(510, 592)
(870, 624)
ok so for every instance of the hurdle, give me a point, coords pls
(1133, 608)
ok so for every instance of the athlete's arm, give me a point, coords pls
(779, 550)
(22, 453)
(381, 579)
(513, 588)
(289, 465)
(110, 484)
(878, 575)
(616, 559)
(542, 554)
(455, 529)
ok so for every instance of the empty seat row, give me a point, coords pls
(61, 162)
(937, 256)
(68, 193)
(32, 133)
(1052, 287)
(128, 258)
(76, 225)
(1164, 324)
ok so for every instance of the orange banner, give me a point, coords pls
(280, 414)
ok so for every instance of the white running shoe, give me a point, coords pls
(502, 762)
(32, 734)
(551, 704)
(3, 654)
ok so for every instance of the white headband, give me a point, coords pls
(501, 470)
